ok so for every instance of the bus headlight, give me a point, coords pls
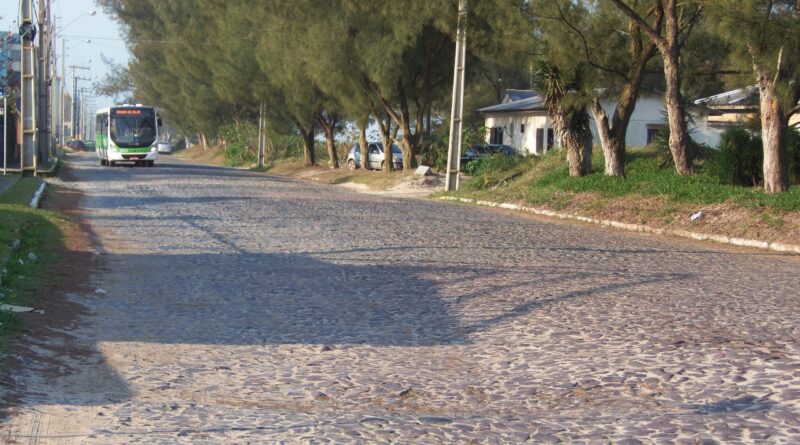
(153, 149)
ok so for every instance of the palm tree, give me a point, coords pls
(567, 107)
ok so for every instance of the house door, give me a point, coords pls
(539, 141)
(496, 136)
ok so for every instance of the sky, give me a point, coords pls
(80, 26)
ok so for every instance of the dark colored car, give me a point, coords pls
(76, 144)
(480, 150)
(504, 149)
(474, 153)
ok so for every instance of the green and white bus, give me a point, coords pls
(127, 133)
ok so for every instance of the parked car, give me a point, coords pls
(164, 147)
(478, 151)
(473, 153)
(376, 157)
(76, 144)
(504, 149)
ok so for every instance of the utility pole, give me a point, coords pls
(40, 156)
(457, 110)
(27, 31)
(262, 137)
(75, 80)
(5, 128)
(62, 92)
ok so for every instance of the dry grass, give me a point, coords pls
(214, 155)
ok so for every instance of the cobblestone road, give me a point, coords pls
(239, 308)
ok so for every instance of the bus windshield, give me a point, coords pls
(133, 127)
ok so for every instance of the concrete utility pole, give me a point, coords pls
(75, 100)
(262, 137)
(42, 72)
(27, 31)
(5, 129)
(62, 93)
(457, 110)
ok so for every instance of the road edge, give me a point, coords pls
(37, 197)
(722, 239)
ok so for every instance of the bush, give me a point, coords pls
(239, 148)
(287, 146)
(739, 159)
(491, 170)
(697, 151)
(433, 152)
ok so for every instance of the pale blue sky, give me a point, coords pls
(102, 30)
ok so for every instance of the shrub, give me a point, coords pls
(239, 147)
(491, 170)
(739, 159)
(285, 147)
(660, 143)
(433, 151)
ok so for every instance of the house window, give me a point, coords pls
(549, 138)
(652, 133)
(522, 128)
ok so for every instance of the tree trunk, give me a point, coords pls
(203, 141)
(773, 135)
(309, 157)
(362, 144)
(678, 135)
(386, 139)
(330, 143)
(329, 128)
(407, 146)
(577, 143)
(613, 146)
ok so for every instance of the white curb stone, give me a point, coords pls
(722, 239)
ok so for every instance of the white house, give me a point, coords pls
(521, 120)
(731, 108)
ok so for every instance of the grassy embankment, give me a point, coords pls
(649, 194)
(23, 231)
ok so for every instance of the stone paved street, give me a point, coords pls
(239, 308)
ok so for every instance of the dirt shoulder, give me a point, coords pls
(44, 345)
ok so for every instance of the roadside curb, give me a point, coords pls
(38, 195)
(723, 239)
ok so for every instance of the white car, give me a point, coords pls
(164, 147)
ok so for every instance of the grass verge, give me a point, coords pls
(24, 231)
(648, 195)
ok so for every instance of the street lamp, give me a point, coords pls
(90, 13)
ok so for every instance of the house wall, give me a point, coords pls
(649, 114)
(511, 123)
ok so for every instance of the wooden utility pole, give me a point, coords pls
(457, 110)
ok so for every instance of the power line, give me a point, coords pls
(173, 42)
